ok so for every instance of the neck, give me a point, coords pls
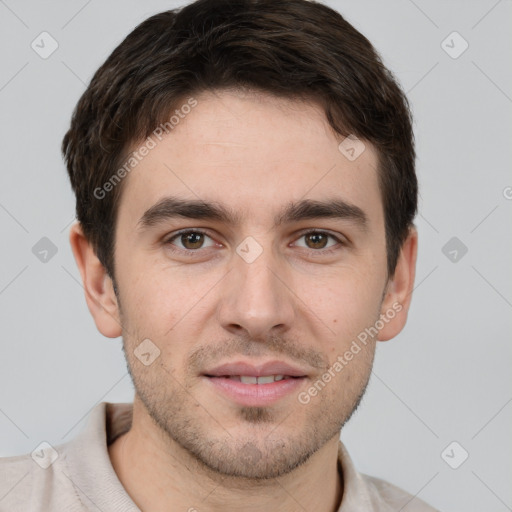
(159, 475)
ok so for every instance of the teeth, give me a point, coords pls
(266, 380)
(246, 379)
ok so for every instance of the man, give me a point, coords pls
(245, 186)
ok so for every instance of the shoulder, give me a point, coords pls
(388, 497)
(37, 482)
(13, 470)
(365, 492)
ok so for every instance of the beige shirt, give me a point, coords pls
(78, 475)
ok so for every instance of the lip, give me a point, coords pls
(255, 395)
(256, 370)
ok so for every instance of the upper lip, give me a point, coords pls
(255, 370)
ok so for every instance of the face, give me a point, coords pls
(250, 295)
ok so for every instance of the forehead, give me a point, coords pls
(253, 153)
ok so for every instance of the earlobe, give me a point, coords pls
(99, 291)
(397, 300)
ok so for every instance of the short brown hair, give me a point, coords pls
(289, 48)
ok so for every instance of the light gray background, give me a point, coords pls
(445, 378)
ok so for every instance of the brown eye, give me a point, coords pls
(316, 240)
(319, 241)
(190, 240)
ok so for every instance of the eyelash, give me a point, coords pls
(192, 252)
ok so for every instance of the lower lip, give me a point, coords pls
(255, 395)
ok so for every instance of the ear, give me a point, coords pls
(397, 299)
(99, 290)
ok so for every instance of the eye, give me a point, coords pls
(318, 240)
(190, 240)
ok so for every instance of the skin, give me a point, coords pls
(189, 445)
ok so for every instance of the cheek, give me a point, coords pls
(162, 303)
(348, 305)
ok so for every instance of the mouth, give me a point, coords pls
(250, 379)
(254, 385)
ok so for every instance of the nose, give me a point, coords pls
(257, 298)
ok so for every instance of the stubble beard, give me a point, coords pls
(270, 446)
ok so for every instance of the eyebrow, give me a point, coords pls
(171, 207)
